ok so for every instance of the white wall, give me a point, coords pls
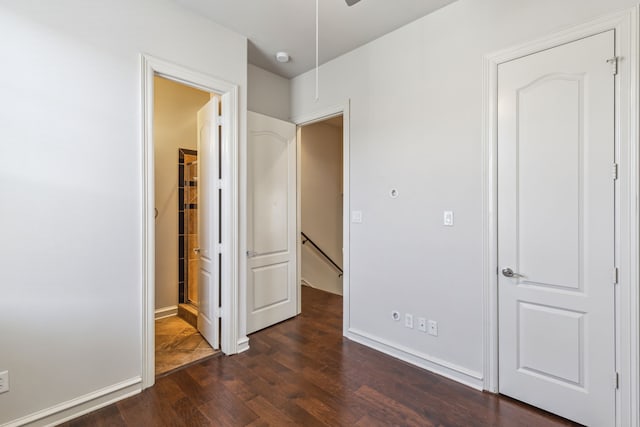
(269, 93)
(175, 126)
(416, 125)
(71, 185)
(321, 203)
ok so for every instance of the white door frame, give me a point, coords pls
(307, 119)
(230, 142)
(627, 225)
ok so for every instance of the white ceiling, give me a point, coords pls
(289, 25)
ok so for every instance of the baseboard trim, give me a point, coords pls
(433, 364)
(81, 405)
(169, 311)
(305, 282)
(243, 344)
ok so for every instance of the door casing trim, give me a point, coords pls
(625, 24)
(151, 66)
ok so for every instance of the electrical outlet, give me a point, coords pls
(4, 381)
(395, 315)
(422, 324)
(408, 320)
(433, 328)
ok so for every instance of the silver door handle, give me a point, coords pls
(251, 254)
(507, 272)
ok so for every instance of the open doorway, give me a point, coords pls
(218, 314)
(283, 158)
(321, 204)
(177, 339)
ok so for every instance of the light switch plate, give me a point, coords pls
(356, 217)
(447, 219)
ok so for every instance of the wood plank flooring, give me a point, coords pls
(303, 372)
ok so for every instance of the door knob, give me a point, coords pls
(507, 272)
(196, 250)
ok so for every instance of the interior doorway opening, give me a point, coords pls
(321, 205)
(178, 341)
(226, 306)
(294, 172)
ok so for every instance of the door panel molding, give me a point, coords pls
(625, 24)
(271, 204)
(209, 222)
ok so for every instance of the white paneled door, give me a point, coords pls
(271, 222)
(556, 228)
(209, 222)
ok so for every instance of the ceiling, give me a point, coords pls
(289, 25)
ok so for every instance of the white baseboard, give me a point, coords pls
(441, 367)
(81, 405)
(169, 311)
(243, 344)
(305, 282)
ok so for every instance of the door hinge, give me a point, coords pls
(615, 275)
(614, 65)
(219, 121)
(219, 248)
(617, 380)
(614, 171)
(219, 184)
(218, 313)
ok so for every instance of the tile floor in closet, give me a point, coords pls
(178, 344)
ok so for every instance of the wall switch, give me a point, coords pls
(422, 324)
(395, 315)
(4, 381)
(433, 328)
(356, 217)
(448, 218)
(408, 320)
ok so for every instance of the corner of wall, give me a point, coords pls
(268, 93)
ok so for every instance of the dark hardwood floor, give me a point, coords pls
(303, 372)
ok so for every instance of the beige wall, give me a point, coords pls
(268, 94)
(321, 194)
(175, 109)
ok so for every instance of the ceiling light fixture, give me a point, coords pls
(282, 57)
